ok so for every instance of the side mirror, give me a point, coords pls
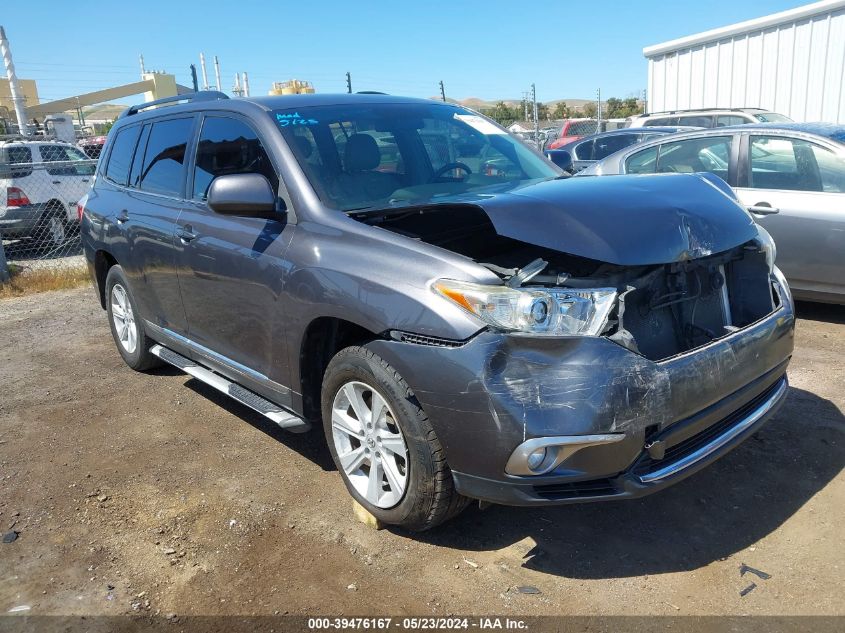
(247, 195)
(561, 158)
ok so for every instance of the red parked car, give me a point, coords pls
(572, 130)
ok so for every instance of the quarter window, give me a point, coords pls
(644, 162)
(228, 146)
(164, 159)
(120, 157)
(608, 145)
(15, 161)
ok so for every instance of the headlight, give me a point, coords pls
(767, 245)
(538, 311)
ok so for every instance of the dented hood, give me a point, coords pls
(625, 220)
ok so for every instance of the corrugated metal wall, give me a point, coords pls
(795, 68)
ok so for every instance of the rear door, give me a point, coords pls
(797, 188)
(231, 269)
(145, 213)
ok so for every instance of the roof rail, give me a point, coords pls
(370, 92)
(700, 110)
(205, 95)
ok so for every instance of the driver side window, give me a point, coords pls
(229, 146)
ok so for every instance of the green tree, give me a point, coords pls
(502, 114)
(561, 111)
(589, 110)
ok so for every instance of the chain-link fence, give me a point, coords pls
(41, 182)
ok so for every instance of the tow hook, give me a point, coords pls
(656, 449)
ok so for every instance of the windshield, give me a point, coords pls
(377, 155)
(772, 117)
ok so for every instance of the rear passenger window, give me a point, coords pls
(696, 121)
(711, 153)
(164, 159)
(666, 120)
(120, 158)
(228, 146)
(66, 154)
(724, 120)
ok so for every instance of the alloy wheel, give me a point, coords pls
(124, 319)
(369, 444)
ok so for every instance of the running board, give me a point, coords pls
(284, 419)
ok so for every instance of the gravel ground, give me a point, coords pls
(151, 493)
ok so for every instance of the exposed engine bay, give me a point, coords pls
(660, 310)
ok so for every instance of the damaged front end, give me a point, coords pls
(598, 379)
(657, 311)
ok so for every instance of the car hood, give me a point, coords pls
(625, 220)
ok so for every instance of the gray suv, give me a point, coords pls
(462, 320)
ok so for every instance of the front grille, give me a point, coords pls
(421, 339)
(646, 464)
(576, 490)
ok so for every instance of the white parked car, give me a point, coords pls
(40, 184)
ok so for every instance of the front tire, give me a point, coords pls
(383, 443)
(126, 326)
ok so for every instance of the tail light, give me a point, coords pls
(15, 197)
(80, 207)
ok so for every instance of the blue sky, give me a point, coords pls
(479, 49)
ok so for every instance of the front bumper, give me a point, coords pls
(488, 396)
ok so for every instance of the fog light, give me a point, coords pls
(536, 458)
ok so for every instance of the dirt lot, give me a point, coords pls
(139, 493)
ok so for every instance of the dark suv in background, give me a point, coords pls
(462, 320)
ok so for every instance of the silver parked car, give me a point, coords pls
(791, 177)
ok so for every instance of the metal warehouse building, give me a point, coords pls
(791, 62)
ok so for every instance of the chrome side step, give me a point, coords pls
(284, 419)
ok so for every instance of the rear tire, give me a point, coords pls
(52, 231)
(126, 325)
(414, 487)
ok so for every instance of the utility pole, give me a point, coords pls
(348, 83)
(246, 84)
(598, 110)
(194, 78)
(645, 101)
(236, 89)
(4, 267)
(17, 98)
(143, 68)
(536, 121)
(442, 91)
(525, 103)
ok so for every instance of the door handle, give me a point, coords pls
(763, 208)
(57, 182)
(123, 216)
(185, 233)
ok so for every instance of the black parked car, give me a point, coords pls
(461, 320)
(584, 152)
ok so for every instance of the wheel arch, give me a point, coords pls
(103, 261)
(324, 337)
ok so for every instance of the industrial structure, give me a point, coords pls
(791, 62)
